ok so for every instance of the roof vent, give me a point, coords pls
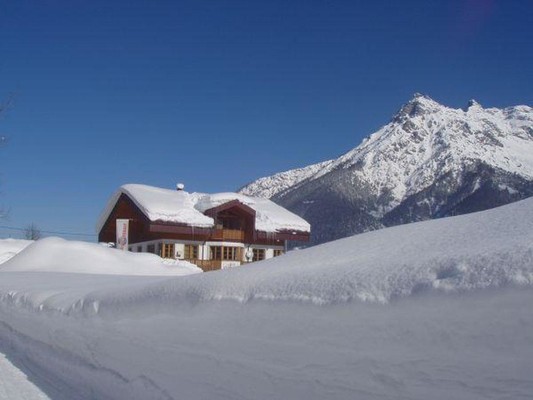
(180, 186)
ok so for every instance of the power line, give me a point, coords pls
(49, 232)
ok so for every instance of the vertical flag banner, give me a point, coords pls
(122, 234)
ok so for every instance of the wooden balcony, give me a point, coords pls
(234, 235)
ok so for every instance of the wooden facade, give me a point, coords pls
(233, 240)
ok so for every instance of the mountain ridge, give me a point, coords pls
(429, 161)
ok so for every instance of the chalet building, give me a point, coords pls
(213, 231)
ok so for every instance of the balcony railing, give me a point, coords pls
(228, 234)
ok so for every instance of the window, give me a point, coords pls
(278, 253)
(139, 249)
(167, 250)
(259, 254)
(216, 253)
(191, 252)
(225, 253)
(150, 248)
(230, 253)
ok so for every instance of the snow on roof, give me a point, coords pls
(159, 205)
(269, 217)
(179, 206)
(208, 201)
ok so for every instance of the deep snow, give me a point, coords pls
(59, 255)
(438, 310)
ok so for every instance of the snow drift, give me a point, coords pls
(59, 255)
(10, 247)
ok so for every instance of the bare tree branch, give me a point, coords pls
(32, 232)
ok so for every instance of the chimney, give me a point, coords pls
(180, 186)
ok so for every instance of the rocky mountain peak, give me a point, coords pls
(420, 104)
(472, 104)
(429, 161)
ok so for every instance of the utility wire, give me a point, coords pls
(49, 232)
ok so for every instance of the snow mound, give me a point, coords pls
(59, 255)
(11, 247)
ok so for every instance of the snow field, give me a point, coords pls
(472, 346)
(436, 310)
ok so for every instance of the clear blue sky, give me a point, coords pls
(217, 93)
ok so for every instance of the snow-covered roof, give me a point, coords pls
(181, 207)
(269, 217)
(159, 204)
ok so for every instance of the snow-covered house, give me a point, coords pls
(212, 231)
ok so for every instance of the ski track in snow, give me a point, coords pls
(14, 384)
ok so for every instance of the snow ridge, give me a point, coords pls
(269, 186)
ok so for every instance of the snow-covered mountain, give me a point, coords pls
(429, 161)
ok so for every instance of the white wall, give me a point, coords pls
(203, 248)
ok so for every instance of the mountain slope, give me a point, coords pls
(429, 161)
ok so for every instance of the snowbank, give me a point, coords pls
(59, 255)
(10, 247)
